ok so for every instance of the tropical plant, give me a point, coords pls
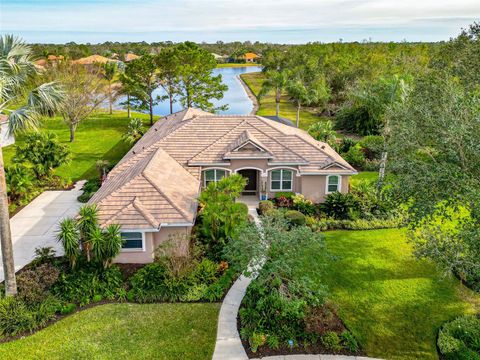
(276, 80)
(111, 245)
(16, 70)
(324, 131)
(68, 235)
(19, 181)
(87, 223)
(43, 151)
(134, 131)
(110, 70)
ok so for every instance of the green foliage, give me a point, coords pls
(372, 145)
(34, 284)
(256, 340)
(19, 181)
(82, 284)
(295, 218)
(276, 302)
(303, 205)
(340, 206)
(15, 317)
(68, 234)
(358, 224)
(349, 341)
(220, 217)
(460, 339)
(324, 131)
(355, 156)
(265, 206)
(331, 341)
(68, 308)
(43, 151)
(90, 188)
(134, 131)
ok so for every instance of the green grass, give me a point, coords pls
(393, 303)
(226, 65)
(96, 138)
(124, 331)
(287, 108)
(364, 175)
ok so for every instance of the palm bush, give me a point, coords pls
(87, 223)
(134, 131)
(69, 235)
(19, 181)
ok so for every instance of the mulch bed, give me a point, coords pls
(299, 348)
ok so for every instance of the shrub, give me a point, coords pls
(90, 188)
(340, 206)
(68, 308)
(295, 218)
(44, 255)
(355, 156)
(346, 144)
(134, 131)
(285, 194)
(46, 310)
(220, 217)
(34, 284)
(303, 205)
(19, 181)
(331, 341)
(460, 338)
(372, 146)
(43, 151)
(81, 285)
(359, 224)
(283, 202)
(257, 340)
(265, 206)
(349, 342)
(15, 317)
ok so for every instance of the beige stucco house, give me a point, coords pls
(152, 192)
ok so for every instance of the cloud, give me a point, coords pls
(222, 16)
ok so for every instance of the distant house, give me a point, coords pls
(218, 58)
(93, 59)
(250, 57)
(130, 56)
(5, 138)
(152, 192)
(50, 60)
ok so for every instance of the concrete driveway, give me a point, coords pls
(36, 224)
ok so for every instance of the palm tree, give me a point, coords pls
(109, 73)
(16, 71)
(274, 80)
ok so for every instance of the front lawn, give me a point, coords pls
(393, 303)
(287, 108)
(124, 331)
(97, 138)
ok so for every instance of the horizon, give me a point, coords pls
(280, 22)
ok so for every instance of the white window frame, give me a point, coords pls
(339, 185)
(127, 250)
(281, 180)
(204, 180)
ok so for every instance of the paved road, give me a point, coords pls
(35, 225)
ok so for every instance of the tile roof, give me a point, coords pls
(158, 180)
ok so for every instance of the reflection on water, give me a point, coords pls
(236, 98)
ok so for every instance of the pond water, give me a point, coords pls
(236, 98)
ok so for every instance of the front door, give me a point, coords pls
(251, 176)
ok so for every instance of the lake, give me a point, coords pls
(235, 97)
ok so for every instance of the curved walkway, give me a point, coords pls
(35, 225)
(228, 345)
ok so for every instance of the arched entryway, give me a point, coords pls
(252, 176)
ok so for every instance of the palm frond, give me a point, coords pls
(47, 98)
(23, 119)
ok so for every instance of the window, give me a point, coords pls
(133, 240)
(333, 183)
(213, 175)
(281, 180)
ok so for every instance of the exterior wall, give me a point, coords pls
(151, 241)
(314, 187)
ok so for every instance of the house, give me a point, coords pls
(250, 57)
(152, 192)
(130, 56)
(93, 59)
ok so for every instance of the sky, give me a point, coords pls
(276, 21)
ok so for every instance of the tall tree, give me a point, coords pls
(144, 73)
(110, 70)
(197, 84)
(16, 71)
(276, 80)
(434, 146)
(169, 67)
(84, 92)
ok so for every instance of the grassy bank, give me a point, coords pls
(226, 65)
(124, 331)
(268, 105)
(393, 303)
(97, 138)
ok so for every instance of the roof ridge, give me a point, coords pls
(216, 140)
(146, 177)
(137, 204)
